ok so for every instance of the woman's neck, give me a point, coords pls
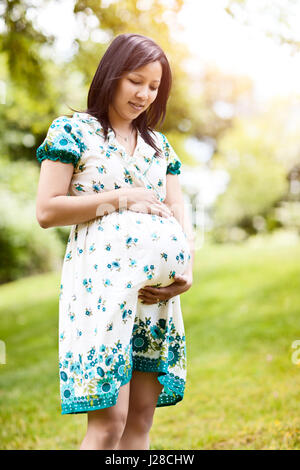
(123, 126)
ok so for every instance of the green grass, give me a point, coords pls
(241, 317)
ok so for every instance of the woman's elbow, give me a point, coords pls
(42, 218)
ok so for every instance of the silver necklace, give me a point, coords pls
(125, 138)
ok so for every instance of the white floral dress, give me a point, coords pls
(105, 331)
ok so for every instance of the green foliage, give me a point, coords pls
(25, 247)
(278, 21)
(21, 42)
(257, 177)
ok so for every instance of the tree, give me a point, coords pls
(277, 19)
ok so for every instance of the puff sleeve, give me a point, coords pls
(173, 161)
(63, 142)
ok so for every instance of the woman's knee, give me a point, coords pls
(141, 418)
(107, 422)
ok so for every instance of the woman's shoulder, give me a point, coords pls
(158, 137)
(65, 123)
(161, 140)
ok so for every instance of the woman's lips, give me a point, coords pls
(137, 108)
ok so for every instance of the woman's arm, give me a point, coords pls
(55, 208)
(175, 201)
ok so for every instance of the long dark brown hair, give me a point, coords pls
(126, 53)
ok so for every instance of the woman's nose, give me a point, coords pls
(142, 94)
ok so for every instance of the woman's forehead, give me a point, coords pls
(153, 69)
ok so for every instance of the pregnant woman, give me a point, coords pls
(106, 172)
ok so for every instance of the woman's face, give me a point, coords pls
(140, 88)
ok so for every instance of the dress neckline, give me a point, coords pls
(141, 144)
(135, 147)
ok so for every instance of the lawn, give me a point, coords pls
(241, 317)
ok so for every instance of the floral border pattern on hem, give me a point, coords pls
(167, 397)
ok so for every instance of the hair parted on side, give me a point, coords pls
(126, 53)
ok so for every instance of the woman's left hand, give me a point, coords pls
(152, 295)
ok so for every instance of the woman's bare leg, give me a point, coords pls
(144, 392)
(105, 427)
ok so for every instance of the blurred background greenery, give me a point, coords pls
(240, 149)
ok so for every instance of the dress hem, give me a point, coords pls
(168, 398)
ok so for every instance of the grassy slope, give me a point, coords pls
(241, 317)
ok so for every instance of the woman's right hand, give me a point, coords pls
(143, 200)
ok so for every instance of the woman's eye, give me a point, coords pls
(138, 83)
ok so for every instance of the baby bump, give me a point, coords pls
(156, 246)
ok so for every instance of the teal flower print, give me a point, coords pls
(119, 369)
(130, 241)
(149, 271)
(87, 284)
(127, 176)
(115, 265)
(180, 257)
(154, 236)
(72, 316)
(79, 187)
(124, 311)
(173, 355)
(140, 342)
(109, 360)
(101, 304)
(100, 371)
(105, 386)
(67, 390)
(156, 332)
(88, 312)
(92, 248)
(80, 168)
(132, 263)
(101, 169)
(63, 376)
(69, 256)
(97, 187)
